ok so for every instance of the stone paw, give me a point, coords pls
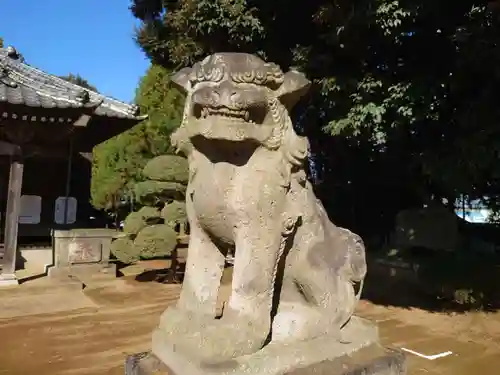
(210, 340)
(175, 321)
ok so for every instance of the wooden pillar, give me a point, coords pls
(12, 218)
(67, 189)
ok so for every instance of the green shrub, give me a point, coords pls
(156, 241)
(135, 221)
(149, 193)
(174, 213)
(169, 168)
(124, 250)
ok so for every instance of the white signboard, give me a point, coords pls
(30, 210)
(60, 211)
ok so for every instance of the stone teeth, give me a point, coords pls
(225, 112)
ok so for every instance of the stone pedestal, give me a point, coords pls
(372, 360)
(8, 280)
(357, 352)
(82, 251)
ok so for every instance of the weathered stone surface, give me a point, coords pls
(169, 168)
(84, 251)
(293, 287)
(81, 247)
(371, 360)
(145, 364)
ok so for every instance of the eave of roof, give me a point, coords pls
(22, 84)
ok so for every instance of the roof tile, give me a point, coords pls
(23, 84)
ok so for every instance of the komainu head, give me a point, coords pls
(238, 97)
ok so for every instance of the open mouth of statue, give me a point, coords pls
(251, 115)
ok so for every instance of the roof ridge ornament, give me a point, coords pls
(94, 105)
(5, 79)
(13, 54)
(83, 97)
(133, 109)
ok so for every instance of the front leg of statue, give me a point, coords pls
(247, 318)
(198, 299)
(246, 322)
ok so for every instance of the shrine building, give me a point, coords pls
(48, 128)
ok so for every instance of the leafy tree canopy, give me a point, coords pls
(406, 86)
(80, 81)
(118, 162)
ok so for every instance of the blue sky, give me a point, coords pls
(92, 38)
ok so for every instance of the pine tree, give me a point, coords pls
(118, 162)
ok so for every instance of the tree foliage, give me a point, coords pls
(1, 42)
(77, 79)
(119, 161)
(152, 230)
(406, 87)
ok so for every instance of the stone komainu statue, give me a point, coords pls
(294, 271)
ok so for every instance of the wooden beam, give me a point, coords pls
(7, 148)
(68, 180)
(12, 217)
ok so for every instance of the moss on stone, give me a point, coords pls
(174, 212)
(135, 221)
(169, 168)
(124, 250)
(155, 241)
(151, 192)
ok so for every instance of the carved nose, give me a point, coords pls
(226, 94)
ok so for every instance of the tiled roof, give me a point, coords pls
(22, 84)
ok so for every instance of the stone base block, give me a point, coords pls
(82, 270)
(8, 280)
(356, 352)
(371, 360)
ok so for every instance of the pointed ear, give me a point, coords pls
(181, 79)
(295, 85)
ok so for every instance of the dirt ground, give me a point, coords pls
(94, 340)
(85, 341)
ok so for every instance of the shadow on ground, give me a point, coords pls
(162, 275)
(435, 281)
(432, 281)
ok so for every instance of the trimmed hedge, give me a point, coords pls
(149, 193)
(168, 168)
(135, 221)
(155, 241)
(174, 213)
